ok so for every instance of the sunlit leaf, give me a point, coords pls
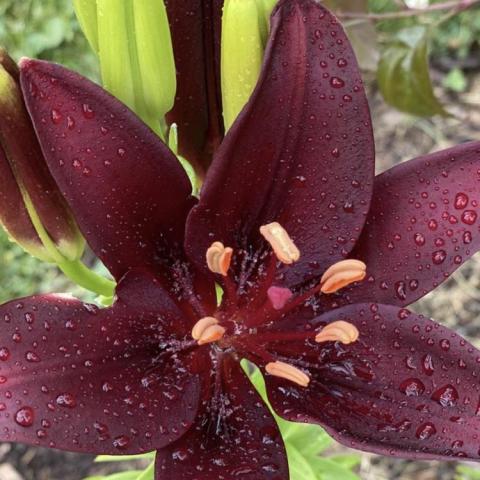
(124, 458)
(130, 475)
(403, 74)
(456, 81)
(467, 473)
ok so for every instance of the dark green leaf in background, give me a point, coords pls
(403, 74)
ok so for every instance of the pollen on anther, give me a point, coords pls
(288, 372)
(281, 243)
(211, 334)
(200, 327)
(219, 258)
(342, 274)
(339, 331)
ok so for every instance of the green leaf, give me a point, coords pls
(300, 468)
(467, 473)
(86, 11)
(148, 473)
(456, 81)
(403, 74)
(130, 475)
(124, 458)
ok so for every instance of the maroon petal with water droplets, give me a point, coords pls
(196, 35)
(422, 226)
(237, 438)
(300, 153)
(408, 387)
(81, 379)
(129, 194)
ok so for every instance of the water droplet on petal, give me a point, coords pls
(25, 417)
(426, 430)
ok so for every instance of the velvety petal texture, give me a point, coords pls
(407, 387)
(236, 438)
(81, 379)
(423, 224)
(129, 193)
(300, 153)
(195, 26)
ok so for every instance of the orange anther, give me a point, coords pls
(211, 334)
(288, 372)
(219, 258)
(281, 243)
(202, 325)
(341, 274)
(339, 331)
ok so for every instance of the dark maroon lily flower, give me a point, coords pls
(283, 223)
(196, 36)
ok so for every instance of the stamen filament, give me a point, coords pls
(281, 243)
(288, 372)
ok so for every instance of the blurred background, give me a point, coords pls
(444, 43)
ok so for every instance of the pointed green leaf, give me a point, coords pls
(403, 74)
(148, 473)
(124, 458)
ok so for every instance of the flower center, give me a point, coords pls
(280, 300)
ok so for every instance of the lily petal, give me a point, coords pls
(142, 291)
(196, 34)
(300, 153)
(81, 379)
(422, 226)
(128, 192)
(237, 437)
(408, 387)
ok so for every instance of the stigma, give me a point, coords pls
(281, 243)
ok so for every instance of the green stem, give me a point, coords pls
(86, 278)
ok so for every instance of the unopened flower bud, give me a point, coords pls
(243, 41)
(32, 209)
